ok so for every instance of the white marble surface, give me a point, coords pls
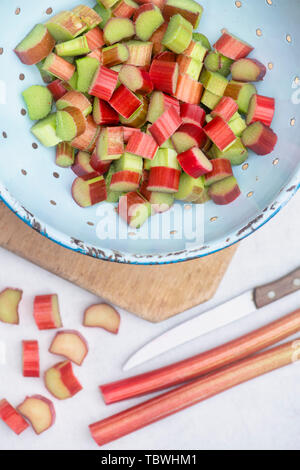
(263, 414)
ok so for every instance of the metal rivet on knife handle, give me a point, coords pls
(269, 293)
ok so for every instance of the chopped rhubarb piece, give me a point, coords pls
(164, 76)
(136, 79)
(214, 82)
(70, 123)
(71, 345)
(261, 108)
(167, 158)
(188, 90)
(248, 70)
(125, 102)
(46, 312)
(45, 131)
(159, 103)
(221, 169)
(134, 209)
(157, 38)
(259, 138)
(95, 38)
(38, 101)
(241, 92)
(59, 67)
(188, 136)
(100, 166)
(102, 316)
(65, 26)
(189, 9)
(215, 62)
(104, 12)
(237, 124)
(89, 190)
(36, 46)
(225, 109)
(82, 165)
(164, 180)
(189, 66)
(12, 418)
(110, 145)
(77, 100)
(196, 51)
(104, 83)
(125, 181)
(129, 132)
(210, 100)
(108, 3)
(75, 47)
(87, 140)
(65, 155)
(87, 67)
(139, 118)
(143, 145)
(61, 382)
(236, 153)
(166, 56)
(190, 189)
(112, 196)
(147, 20)
(165, 126)
(115, 55)
(160, 202)
(178, 35)
(192, 114)
(9, 305)
(139, 53)
(117, 30)
(219, 132)
(39, 411)
(232, 47)
(87, 15)
(31, 359)
(124, 9)
(96, 54)
(129, 162)
(225, 192)
(194, 162)
(57, 89)
(104, 114)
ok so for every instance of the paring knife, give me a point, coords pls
(224, 314)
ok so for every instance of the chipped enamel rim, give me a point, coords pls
(285, 195)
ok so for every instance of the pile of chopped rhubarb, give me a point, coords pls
(146, 111)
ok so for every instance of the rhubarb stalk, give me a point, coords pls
(169, 403)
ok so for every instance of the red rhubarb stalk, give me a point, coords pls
(169, 403)
(125, 102)
(164, 179)
(225, 109)
(192, 114)
(104, 114)
(165, 126)
(220, 133)
(12, 418)
(123, 10)
(31, 359)
(57, 89)
(46, 312)
(95, 38)
(232, 47)
(164, 76)
(194, 162)
(142, 145)
(188, 90)
(203, 363)
(129, 132)
(261, 108)
(104, 83)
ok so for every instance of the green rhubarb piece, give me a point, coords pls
(167, 158)
(190, 189)
(65, 126)
(65, 26)
(194, 69)
(139, 117)
(148, 22)
(216, 62)
(117, 30)
(38, 100)
(237, 153)
(210, 100)
(129, 162)
(163, 200)
(77, 46)
(71, 85)
(139, 214)
(168, 144)
(189, 5)
(105, 13)
(112, 196)
(86, 68)
(214, 82)
(196, 51)
(108, 3)
(46, 76)
(120, 55)
(242, 93)
(45, 131)
(203, 40)
(237, 125)
(88, 16)
(178, 35)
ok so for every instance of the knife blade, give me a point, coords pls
(224, 314)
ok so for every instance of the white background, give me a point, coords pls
(262, 414)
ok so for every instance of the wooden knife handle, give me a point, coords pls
(265, 295)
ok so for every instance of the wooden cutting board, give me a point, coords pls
(154, 293)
